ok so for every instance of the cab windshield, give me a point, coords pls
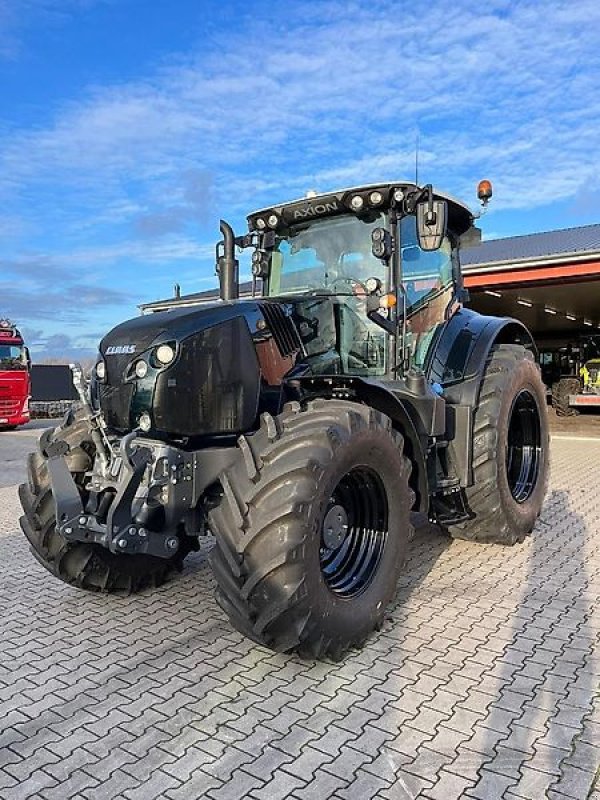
(12, 357)
(330, 256)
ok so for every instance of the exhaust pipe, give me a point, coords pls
(227, 264)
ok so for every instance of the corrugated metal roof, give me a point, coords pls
(585, 239)
(196, 297)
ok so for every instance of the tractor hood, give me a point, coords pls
(133, 339)
(135, 335)
(209, 388)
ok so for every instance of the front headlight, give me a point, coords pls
(101, 370)
(145, 422)
(165, 353)
(141, 368)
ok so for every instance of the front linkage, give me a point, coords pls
(132, 480)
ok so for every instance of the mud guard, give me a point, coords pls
(376, 394)
(457, 361)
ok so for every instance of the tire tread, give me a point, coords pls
(266, 494)
(490, 524)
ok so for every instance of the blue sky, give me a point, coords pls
(128, 127)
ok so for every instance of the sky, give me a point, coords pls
(128, 128)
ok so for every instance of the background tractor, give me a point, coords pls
(301, 427)
(573, 373)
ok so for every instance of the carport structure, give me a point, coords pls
(550, 281)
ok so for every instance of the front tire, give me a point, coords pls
(312, 529)
(81, 564)
(510, 450)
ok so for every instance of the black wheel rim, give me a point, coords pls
(524, 447)
(354, 532)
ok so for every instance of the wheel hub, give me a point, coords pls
(524, 447)
(354, 532)
(335, 527)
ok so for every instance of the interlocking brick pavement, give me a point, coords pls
(483, 682)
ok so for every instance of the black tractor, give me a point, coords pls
(302, 426)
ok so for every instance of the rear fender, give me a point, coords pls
(462, 349)
(458, 362)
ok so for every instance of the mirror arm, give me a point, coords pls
(249, 240)
(373, 313)
(389, 326)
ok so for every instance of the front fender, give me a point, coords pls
(375, 394)
(460, 352)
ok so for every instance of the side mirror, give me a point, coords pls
(432, 221)
(28, 358)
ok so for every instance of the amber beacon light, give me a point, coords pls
(388, 300)
(484, 191)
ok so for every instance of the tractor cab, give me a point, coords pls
(590, 373)
(382, 258)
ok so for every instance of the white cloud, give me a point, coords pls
(346, 87)
(156, 252)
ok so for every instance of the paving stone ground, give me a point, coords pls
(482, 684)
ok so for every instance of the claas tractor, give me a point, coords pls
(303, 426)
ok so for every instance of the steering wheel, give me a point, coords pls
(358, 288)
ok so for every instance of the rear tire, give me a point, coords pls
(560, 396)
(84, 565)
(510, 450)
(312, 528)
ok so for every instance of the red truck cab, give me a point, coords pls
(15, 379)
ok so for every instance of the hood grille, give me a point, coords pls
(283, 329)
(9, 407)
(115, 393)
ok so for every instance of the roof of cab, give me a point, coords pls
(364, 188)
(459, 212)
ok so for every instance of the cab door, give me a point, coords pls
(427, 278)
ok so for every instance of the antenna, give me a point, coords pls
(417, 158)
